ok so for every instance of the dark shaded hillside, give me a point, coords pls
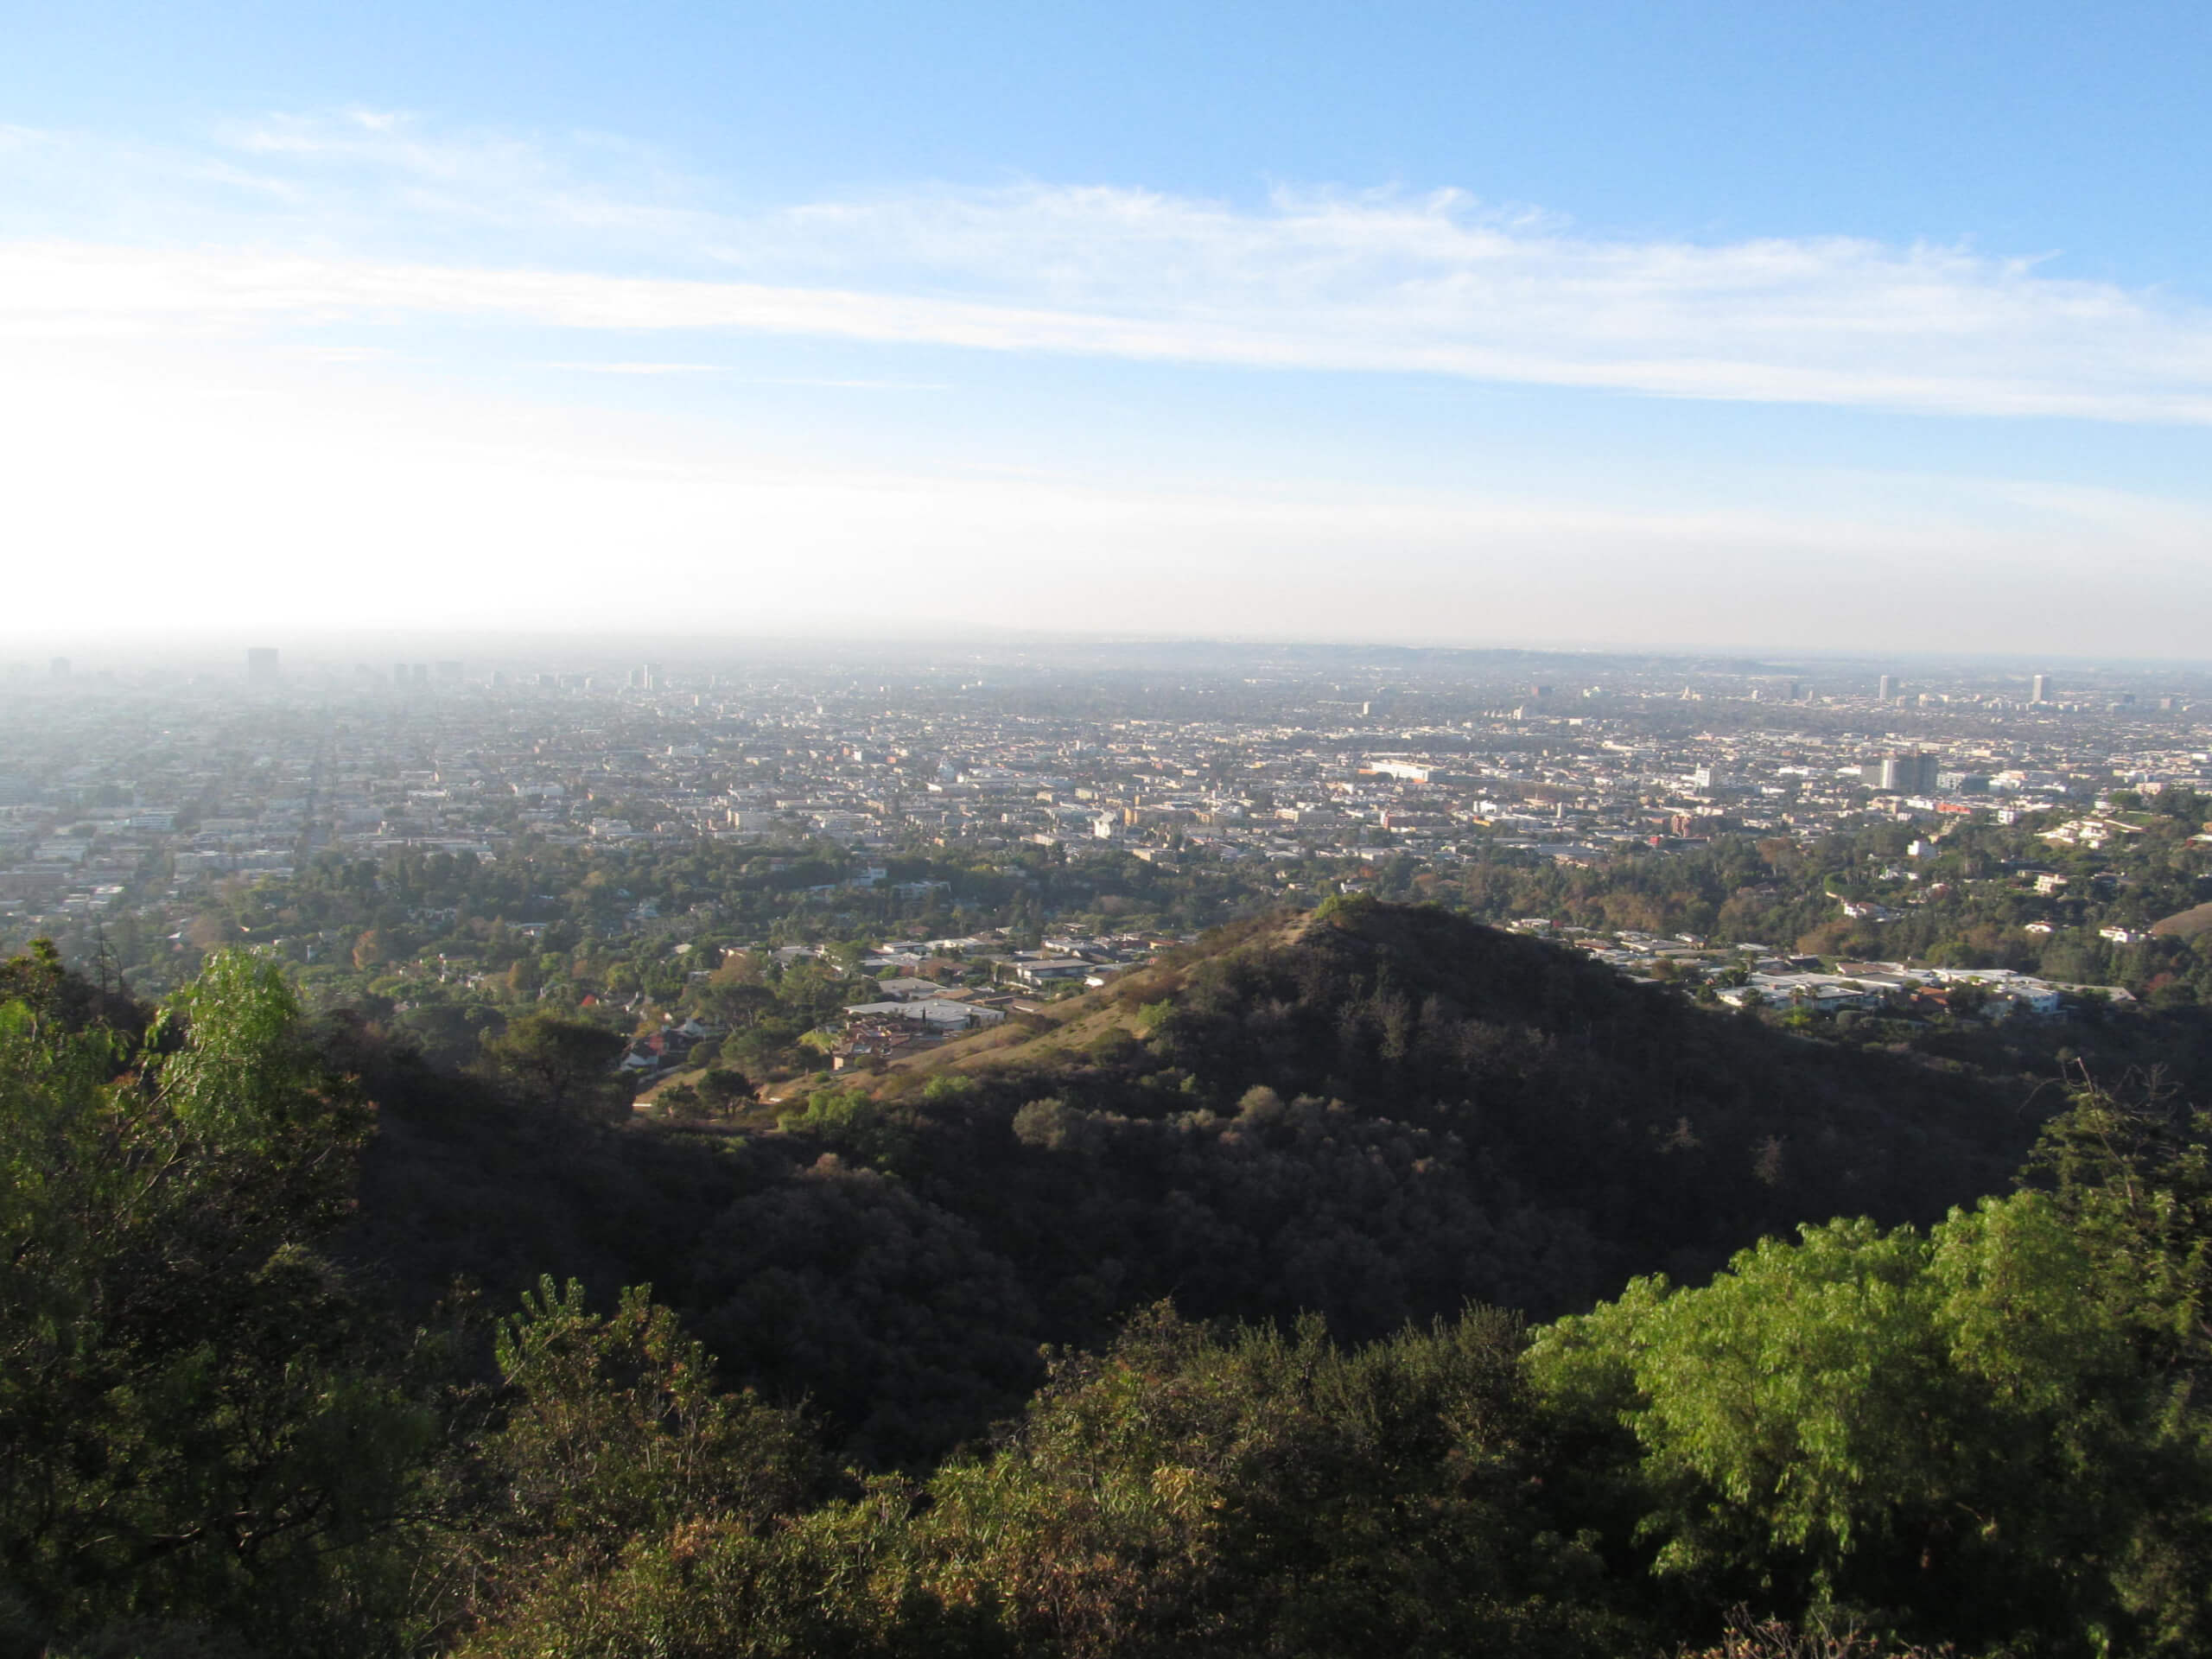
(1673, 1127)
(465, 1182)
(1376, 1116)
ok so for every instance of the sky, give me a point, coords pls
(1808, 326)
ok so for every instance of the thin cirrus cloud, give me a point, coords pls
(825, 382)
(637, 368)
(1378, 282)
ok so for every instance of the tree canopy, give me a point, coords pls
(236, 1416)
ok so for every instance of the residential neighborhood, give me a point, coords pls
(133, 797)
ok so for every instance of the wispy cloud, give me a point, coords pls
(638, 368)
(391, 165)
(829, 383)
(1431, 284)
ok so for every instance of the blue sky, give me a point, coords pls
(1864, 327)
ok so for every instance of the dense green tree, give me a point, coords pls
(611, 1431)
(1953, 1429)
(1263, 1492)
(567, 1066)
(199, 1426)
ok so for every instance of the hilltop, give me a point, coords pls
(1655, 1123)
(1370, 1112)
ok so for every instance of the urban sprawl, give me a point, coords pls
(138, 802)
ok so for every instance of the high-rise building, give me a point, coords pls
(2039, 688)
(261, 666)
(1888, 687)
(1901, 774)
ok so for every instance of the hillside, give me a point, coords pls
(234, 1429)
(1374, 1115)
(2184, 924)
(1643, 1127)
(1587, 1088)
(1070, 1027)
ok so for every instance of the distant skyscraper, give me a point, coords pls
(422, 673)
(261, 666)
(2039, 688)
(1794, 692)
(1902, 774)
(449, 673)
(1888, 689)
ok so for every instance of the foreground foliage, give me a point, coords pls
(197, 1423)
(214, 1438)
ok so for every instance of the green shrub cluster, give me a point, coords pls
(216, 1435)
